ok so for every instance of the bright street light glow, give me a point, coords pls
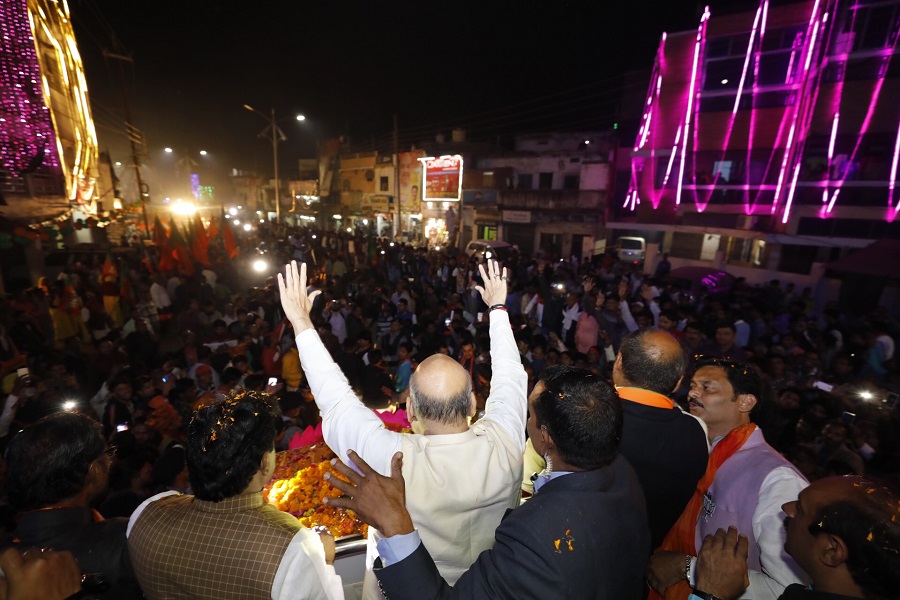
(247, 227)
(724, 81)
(232, 211)
(866, 395)
(301, 118)
(203, 153)
(262, 220)
(236, 221)
(338, 217)
(259, 265)
(168, 150)
(183, 208)
(69, 405)
(365, 221)
(118, 164)
(349, 230)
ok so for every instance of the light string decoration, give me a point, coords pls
(810, 53)
(27, 139)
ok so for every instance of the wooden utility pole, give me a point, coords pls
(134, 136)
(396, 160)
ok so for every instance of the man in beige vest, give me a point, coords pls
(225, 541)
(461, 479)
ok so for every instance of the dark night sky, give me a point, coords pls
(349, 67)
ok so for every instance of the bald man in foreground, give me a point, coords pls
(460, 480)
(666, 446)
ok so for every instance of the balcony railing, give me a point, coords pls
(551, 199)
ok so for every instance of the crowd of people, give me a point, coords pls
(641, 416)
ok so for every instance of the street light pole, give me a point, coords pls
(276, 133)
(275, 160)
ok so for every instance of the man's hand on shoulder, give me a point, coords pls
(722, 564)
(296, 302)
(379, 501)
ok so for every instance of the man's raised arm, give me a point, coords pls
(346, 422)
(508, 401)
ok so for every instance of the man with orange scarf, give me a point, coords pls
(745, 485)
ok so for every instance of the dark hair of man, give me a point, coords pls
(375, 356)
(583, 415)
(49, 460)
(226, 442)
(869, 524)
(726, 325)
(646, 365)
(448, 410)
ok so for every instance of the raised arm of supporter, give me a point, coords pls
(647, 295)
(627, 317)
(346, 422)
(507, 402)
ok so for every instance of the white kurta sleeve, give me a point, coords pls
(777, 569)
(303, 573)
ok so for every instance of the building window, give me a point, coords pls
(383, 184)
(525, 181)
(570, 182)
(487, 180)
(546, 181)
(487, 232)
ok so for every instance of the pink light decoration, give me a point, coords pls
(734, 110)
(789, 147)
(748, 208)
(672, 156)
(886, 61)
(834, 128)
(809, 53)
(26, 129)
(687, 118)
(892, 182)
(790, 198)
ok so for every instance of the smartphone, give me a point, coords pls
(122, 427)
(825, 387)
(273, 381)
(478, 317)
(847, 418)
(890, 402)
(166, 378)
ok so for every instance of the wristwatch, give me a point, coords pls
(705, 595)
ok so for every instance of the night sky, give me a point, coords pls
(492, 67)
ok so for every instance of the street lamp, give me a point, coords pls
(277, 135)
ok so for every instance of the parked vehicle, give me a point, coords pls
(481, 250)
(631, 250)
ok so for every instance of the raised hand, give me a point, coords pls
(379, 501)
(296, 302)
(494, 289)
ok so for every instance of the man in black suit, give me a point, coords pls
(667, 447)
(582, 535)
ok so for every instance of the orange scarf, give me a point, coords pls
(683, 533)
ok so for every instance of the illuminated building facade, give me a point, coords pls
(769, 139)
(48, 145)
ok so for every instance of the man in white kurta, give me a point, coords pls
(460, 479)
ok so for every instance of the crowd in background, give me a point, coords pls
(140, 350)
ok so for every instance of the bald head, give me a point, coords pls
(441, 390)
(652, 359)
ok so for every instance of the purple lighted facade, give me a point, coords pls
(27, 138)
(787, 115)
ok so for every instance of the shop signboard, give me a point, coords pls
(442, 177)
